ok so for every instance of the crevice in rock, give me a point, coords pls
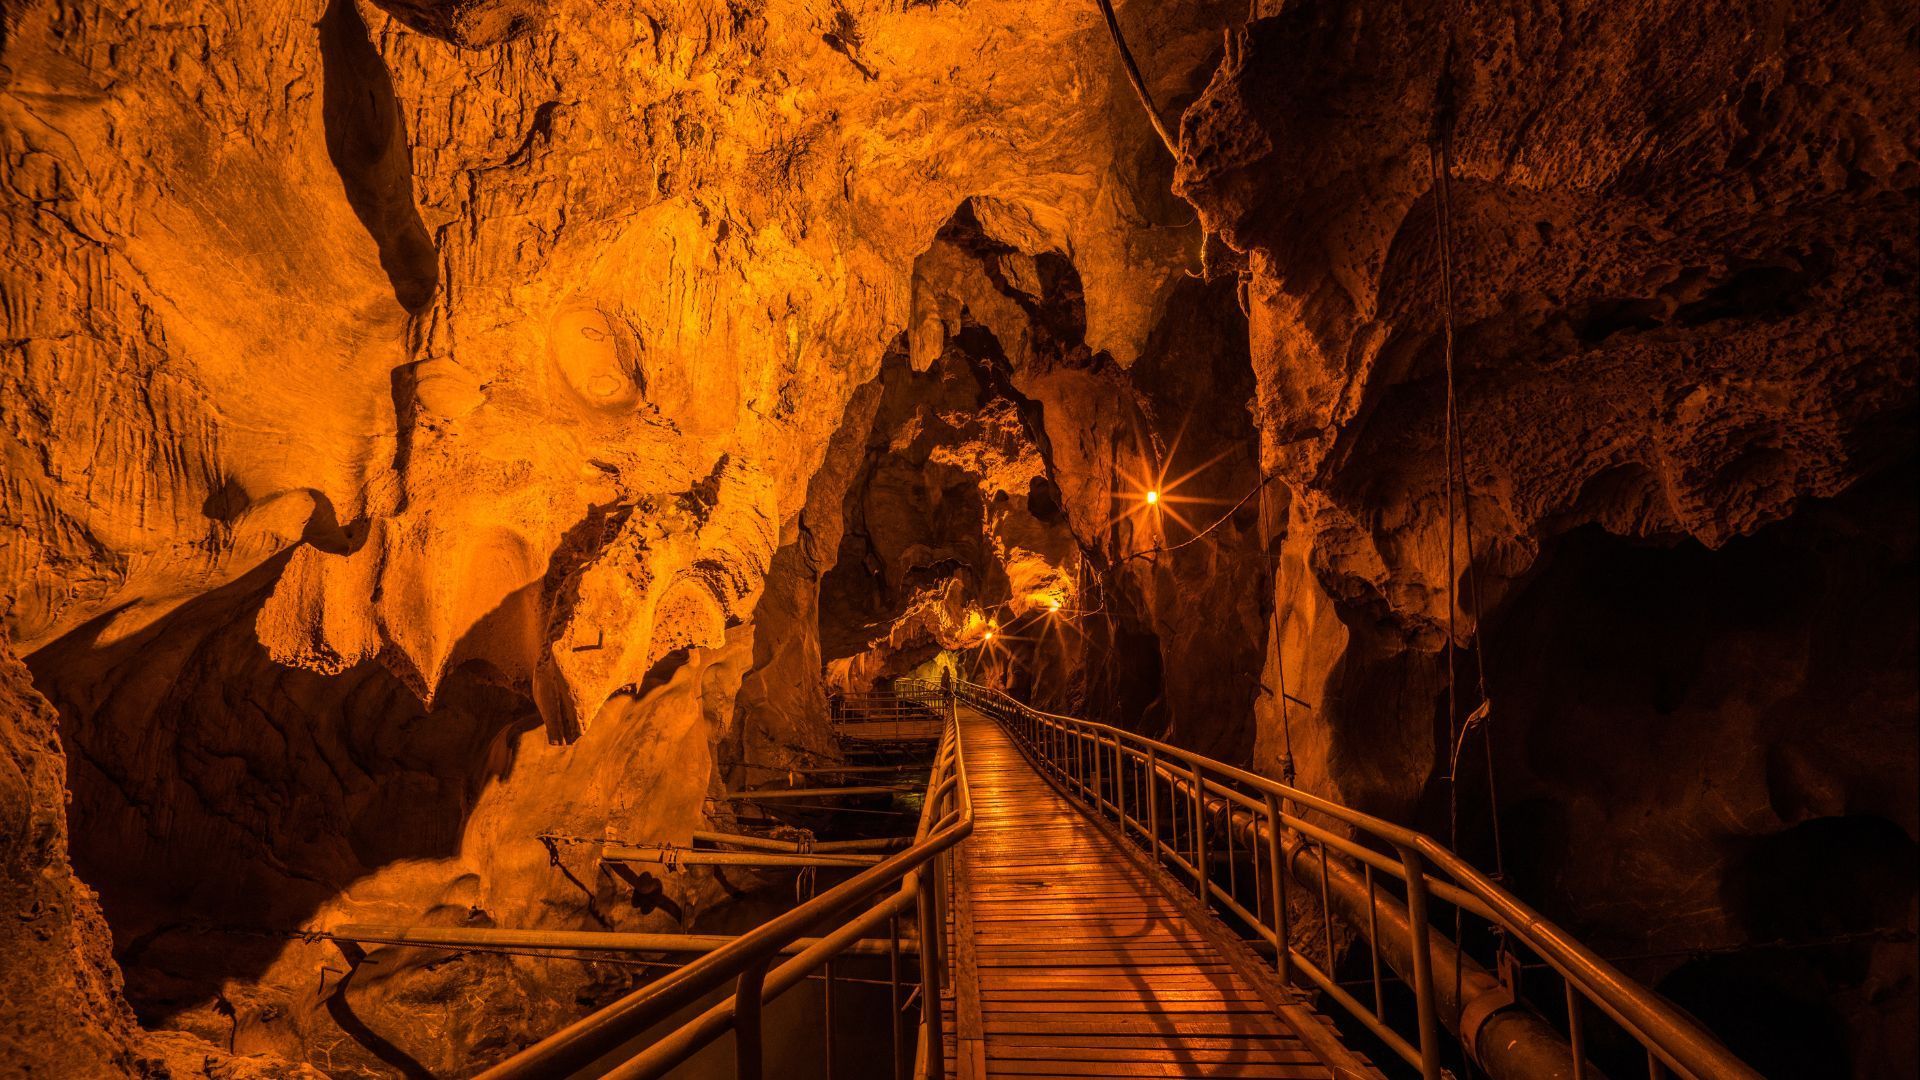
(367, 142)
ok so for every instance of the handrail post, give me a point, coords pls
(746, 1020)
(1153, 802)
(826, 1020)
(1080, 759)
(1200, 835)
(1099, 781)
(931, 938)
(893, 993)
(1422, 963)
(1283, 932)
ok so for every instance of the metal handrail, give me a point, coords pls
(842, 912)
(1104, 767)
(908, 714)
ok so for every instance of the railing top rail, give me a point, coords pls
(1397, 835)
(1650, 1017)
(600, 1032)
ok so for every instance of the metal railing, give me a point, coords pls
(1206, 820)
(843, 917)
(907, 713)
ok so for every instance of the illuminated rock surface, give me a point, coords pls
(430, 424)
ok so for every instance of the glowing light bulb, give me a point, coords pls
(1152, 497)
(989, 635)
(1053, 605)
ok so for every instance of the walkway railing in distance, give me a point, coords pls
(1203, 820)
(911, 880)
(910, 712)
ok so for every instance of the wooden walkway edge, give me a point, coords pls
(1070, 959)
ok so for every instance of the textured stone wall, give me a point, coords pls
(1682, 264)
(396, 396)
(517, 347)
(431, 423)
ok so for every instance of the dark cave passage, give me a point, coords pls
(1692, 768)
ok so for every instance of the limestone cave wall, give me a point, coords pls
(1678, 293)
(434, 425)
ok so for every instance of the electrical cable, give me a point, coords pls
(1133, 76)
(1441, 160)
(1265, 479)
(1440, 166)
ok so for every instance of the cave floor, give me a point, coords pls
(1071, 959)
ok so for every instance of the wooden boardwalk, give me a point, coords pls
(1071, 961)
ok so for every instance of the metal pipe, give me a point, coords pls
(676, 1047)
(768, 843)
(809, 793)
(893, 991)
(1511, 1042)
(462, 937)
(588, 1038)
(746, 1021)
(1133, 77)
(826, 1027)
(673, 856)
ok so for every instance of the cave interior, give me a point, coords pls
(447, 440)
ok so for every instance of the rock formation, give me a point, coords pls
(434, 425)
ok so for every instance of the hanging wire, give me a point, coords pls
(1280, 656)
(1133, 76)
(1440, 165)
(1440, 161)
(1159, 549)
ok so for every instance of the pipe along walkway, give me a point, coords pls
(1070, 959)
(1057, 935)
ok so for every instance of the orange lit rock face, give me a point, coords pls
(939, 526)
(432, 423)
(55, 951)
(376, 368)
(428, 321)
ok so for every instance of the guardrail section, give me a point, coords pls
(1247, 845)
(913, 879)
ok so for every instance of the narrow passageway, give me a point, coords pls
(1069, 960)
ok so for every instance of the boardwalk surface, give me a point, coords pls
(1070, 961)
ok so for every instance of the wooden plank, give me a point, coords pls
(1197, 1044)
(1001, 1050)
(1094, 1024)
(1073, 961)
(1118, 1069)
